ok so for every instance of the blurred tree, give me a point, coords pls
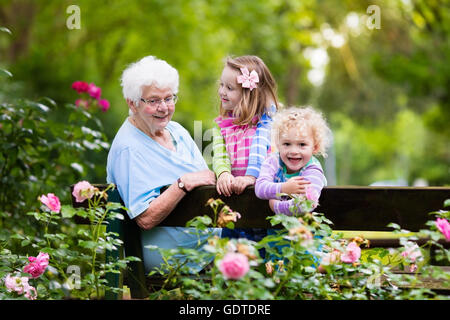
(321, 52)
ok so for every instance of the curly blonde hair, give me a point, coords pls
(303, 118)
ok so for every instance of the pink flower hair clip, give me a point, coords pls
(248, 79)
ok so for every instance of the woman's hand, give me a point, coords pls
(242, 182)
(295, 185)
(193, 180)
(225, 183)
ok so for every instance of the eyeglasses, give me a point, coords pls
(157, 102)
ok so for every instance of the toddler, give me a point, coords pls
(298, 134)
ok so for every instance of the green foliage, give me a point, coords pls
(305, 260)
(371, 79)
(39, 154)
(78, 263)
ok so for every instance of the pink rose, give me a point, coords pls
(80, 86)
(352, 253)
(234, 265)
(83, 190)
(312, 194)
(20, 285)
(444, 226)
(412, 251)
(37, 265)
(331, 257)
(82, 103)
(51, 201)
(104, 104)
(16, 284)
(30, 293)
(94, 91)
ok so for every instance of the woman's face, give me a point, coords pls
(155, 117)
(230, 91)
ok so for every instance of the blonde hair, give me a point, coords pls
(303, 118)
(253, 102)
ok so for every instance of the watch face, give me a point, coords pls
(181, 184)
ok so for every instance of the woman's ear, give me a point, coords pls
(131, 105)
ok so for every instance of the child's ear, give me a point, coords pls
(316, 148)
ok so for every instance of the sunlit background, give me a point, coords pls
(378, 70)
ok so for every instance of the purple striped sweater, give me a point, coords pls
(271, 177)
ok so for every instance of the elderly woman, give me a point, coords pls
(149, 152)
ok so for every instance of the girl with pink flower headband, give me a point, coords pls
(241, 137)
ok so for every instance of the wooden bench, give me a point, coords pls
(348, 207)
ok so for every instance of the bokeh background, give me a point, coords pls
(383, 88)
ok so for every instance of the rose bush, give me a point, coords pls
(59, 254)
(90, 95)
(32, 133)
(304, 259)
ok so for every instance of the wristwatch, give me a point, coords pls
(181, 185)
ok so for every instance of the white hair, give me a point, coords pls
(146, 72)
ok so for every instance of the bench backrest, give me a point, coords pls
(349, 207)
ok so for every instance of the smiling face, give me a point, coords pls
(153, 119)
(230, 92)
(296, 148)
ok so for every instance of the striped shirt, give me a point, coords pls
(273, 174)
(241, 150)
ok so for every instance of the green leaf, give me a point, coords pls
(67, 211)
(230, 225)
(4, 29)
(48, 101)
(87, 244)
(9, 74)
(447, 203)
(199, 222)
(394, 226)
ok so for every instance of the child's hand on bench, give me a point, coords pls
(295, 185)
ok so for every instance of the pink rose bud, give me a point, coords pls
(234, 265)
(94, 91)
(444, 226)
(37, 265)
(83, 190)
(104, 104)
(352, 253)
(80, 86)
(51, 201)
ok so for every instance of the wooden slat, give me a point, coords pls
(348, 207)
